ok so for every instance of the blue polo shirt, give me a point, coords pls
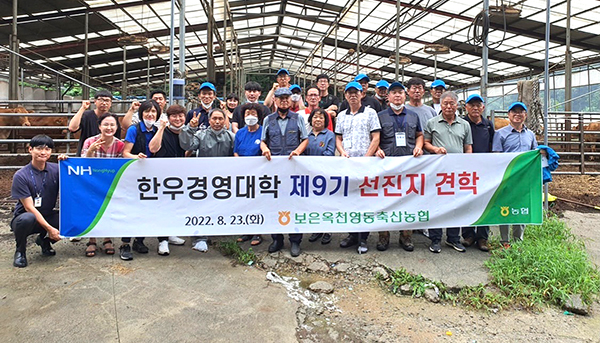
(248, 143)
(483, 135)
(507, 139)
(322, 144)
(132, 134)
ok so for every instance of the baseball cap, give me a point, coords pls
(295, 86)
(282, 91)
(476, 97)
(438, 83)
(208, 85)
(282, 70)
(517, 104)
(395, 84)
(382, 83)
(359, 77)
(354, 85)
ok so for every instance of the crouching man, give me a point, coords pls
(35, 186)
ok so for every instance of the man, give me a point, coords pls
(447, 134)
(328, 102)
(381, 93)
(165, 143)
(35, 186)
(514, 138)
(415, 88)
(87, 120)
(283, 81)
(367, 101)
(296, 98)
(437, 88)
(252, 91)
(215, 141)
(357, 134)
(284, 134)
(312, 100)
(161, 98)
(207, 96)
(482, 131)
(401, 135)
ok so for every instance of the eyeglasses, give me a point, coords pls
(104, 100)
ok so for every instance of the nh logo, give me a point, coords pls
(79, 170)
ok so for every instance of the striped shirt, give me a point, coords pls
(115, 150)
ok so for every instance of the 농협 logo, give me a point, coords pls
(79, 170)
(504, 211)
(284, 217)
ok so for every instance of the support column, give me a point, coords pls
(181, 37)
(484, 59)
(358, 41)
(398, 40)
(124, 81)
(85, 78)
(13, 75)
(210, 61)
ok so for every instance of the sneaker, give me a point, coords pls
(348, 241)
(140, 247)
(457, 246)
(163, 248)
(326, 238)
(125, 252)
(176, 240)
(314, 237)
(435, 247)
(201, 246)
(362, 247)
(425, 232)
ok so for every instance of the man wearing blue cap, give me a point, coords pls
(296, 98)
(381, 93)
(284, 134)
(438, 87)
(367, 101)
(357, 134)
(482, 131)
(283, 81)
(514, 138)
(401, 135)
(207, 96)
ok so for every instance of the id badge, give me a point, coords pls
(37, 202)
(400, 139)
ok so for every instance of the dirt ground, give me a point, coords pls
(364, 312)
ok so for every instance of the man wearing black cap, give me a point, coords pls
(35, 186)
(401, 135)
(252, 91)
(283, 81)
(366, 101)
(284, 134)
(482, 131)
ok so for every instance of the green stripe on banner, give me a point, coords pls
(109, 195)
(518, 199)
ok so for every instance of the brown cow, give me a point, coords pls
(590, 137)
(12, 121)
(500, 123)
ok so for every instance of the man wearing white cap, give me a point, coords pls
(514, 138)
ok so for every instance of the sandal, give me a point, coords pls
(110, 250)
(256, 240)
(90, 252)
(244, 238)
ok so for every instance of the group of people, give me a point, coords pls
(289, 123)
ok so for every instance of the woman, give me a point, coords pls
(137, 143)
(321, 142)
(247, 143)
(104, 145)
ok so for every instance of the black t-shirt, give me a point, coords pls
(89, 127)
(239, 118)
(366, 101)
(329, 100)
(170, 145)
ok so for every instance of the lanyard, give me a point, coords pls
(38, 194)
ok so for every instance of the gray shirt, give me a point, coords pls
(507, 139)
(208, 143)
(424, 113)
(453, 137)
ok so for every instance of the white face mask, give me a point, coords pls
(149, 123)
(176, 128)
(206, 106)
(396, 107)
(295, 97)
(251, 120)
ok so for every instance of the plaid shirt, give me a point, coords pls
(115, 150)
